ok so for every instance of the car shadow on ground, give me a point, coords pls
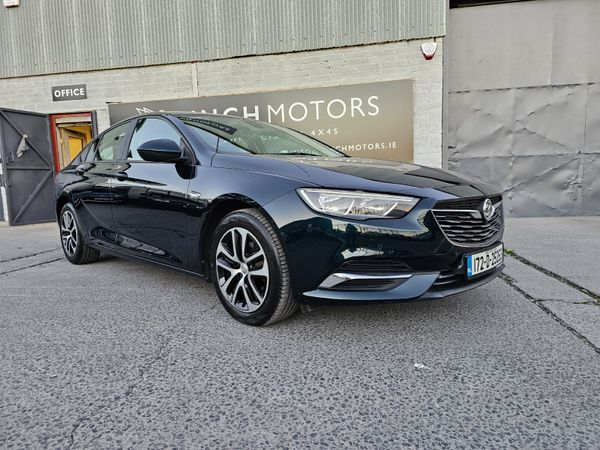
(460, 308)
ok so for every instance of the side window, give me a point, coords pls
(150, 129)
(90, 153)
(110, 144)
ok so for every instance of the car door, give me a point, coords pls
(92, 195)
(150, 213)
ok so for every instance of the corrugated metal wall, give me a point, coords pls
(54, 36)
(524, 103)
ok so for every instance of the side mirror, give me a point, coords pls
(160, 150)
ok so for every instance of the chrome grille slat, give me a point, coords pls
(474, 234)
(464, 229)
(466, 203)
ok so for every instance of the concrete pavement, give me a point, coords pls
(121, 354)
(28, 246)
(567, 246)
(553, 262)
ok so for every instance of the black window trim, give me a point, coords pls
(91, 147)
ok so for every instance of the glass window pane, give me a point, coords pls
(109, 146)
(90, 153)
(250, 136)
(151, 129)
(210, 140)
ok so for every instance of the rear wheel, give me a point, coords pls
(249, 269)
(75, 250)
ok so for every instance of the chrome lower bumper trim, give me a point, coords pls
(336, 278)
(413, 286)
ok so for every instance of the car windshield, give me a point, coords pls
(239, 135)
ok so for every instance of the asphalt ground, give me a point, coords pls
(120, 354)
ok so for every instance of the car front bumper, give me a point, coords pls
(405, 258)
(417, 286)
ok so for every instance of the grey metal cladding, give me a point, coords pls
(523, 44)
(524, 102)
(541, 145)
(590, 186)
(54, 36)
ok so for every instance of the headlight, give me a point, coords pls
(357, 205)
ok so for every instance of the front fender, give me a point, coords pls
(215, 191)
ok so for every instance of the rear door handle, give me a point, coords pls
(121, 176)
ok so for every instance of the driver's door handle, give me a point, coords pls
(121, 176)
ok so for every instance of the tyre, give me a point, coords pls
(75, 250)
(249, 269)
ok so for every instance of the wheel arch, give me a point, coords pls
(61, 201)
(220, 208)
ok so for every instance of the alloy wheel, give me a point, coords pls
(242, 269)
(68, 233)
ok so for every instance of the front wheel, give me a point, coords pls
(249, 269)
(75, 250)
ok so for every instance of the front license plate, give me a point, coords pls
(484, 261)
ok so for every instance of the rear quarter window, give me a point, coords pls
(109, 146)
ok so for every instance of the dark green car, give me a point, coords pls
(276, 218)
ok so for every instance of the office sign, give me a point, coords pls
(373, 120)
(71, 92)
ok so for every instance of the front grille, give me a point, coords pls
(464, 226)
(472, 203)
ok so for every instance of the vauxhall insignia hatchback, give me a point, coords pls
(275, 218)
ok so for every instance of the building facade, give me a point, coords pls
(509, 93)
(136, 52)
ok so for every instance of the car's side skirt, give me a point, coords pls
(130, 257)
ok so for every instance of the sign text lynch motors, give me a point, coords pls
(368, 120)
(71, 92)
